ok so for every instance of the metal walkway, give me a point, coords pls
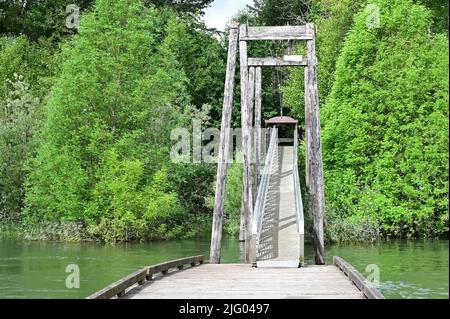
(278, 226)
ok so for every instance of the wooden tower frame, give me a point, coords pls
(250, 75)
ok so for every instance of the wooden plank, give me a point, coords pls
(285, 140)
(277, 33)
(307, 133)
(275, 62)
(251, 97)
(246, 144)
(119, 287)
(258, 101)
(251, 104)
(244, 282)
(315, 165)
(293, 58)
(224, 147)
(242, 225)
(355, 276)
(166, 266)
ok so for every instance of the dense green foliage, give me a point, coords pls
(97, 152)
(386, 124)
(26, 75)
(47, 18)
(233, 199)
(106, 134)
(37, 18)
(17, 125)
(384, 95)
(94, 150)
(86, 115)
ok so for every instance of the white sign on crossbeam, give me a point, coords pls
(293, 58)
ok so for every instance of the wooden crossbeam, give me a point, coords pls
(276, 33)
(277, 62)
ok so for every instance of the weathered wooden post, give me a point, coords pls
(258, 79)
(242, 221)
(307, 133)
(251, 104)
(224, 147)
(250, 101)
(314, 164)
(251, 97)
(246, 141)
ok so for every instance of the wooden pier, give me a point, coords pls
(189, 278)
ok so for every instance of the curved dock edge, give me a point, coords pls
(139, 277)
(365, 286)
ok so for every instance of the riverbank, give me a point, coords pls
(78, 232)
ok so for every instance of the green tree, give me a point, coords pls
(47, 18)
(439, 10)
(34, 61)
(386, 123)
(108, 121)
(284, 12)
(203, 60)
(37, 18)
(26, 74)
(17, 126)
(333, 20)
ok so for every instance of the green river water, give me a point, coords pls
(408, 269)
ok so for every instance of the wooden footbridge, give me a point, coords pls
(272, 220)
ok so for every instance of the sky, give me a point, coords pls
(221, 11)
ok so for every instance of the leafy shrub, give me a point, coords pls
(17, 126)
(105, 137)
(386, 124)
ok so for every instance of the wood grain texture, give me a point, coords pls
(251, 110)
(246, 144)
(258, 149)
(224, 147)
(276, 33)
(275, 62)
(314, 149)
(119, 287)
(367, 288)
(227, 281)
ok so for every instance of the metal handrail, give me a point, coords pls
(258, 211)
(299, 203)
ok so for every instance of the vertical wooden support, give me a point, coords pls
(246, 142)
(251, 94)
(253, 252)
(307, 132)
(224, 148)
(242, 221)
(314, 148)
(250, 107)
(258, 79)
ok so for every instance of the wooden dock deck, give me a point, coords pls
(239, 281)
(189, 278)
(277, 255)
